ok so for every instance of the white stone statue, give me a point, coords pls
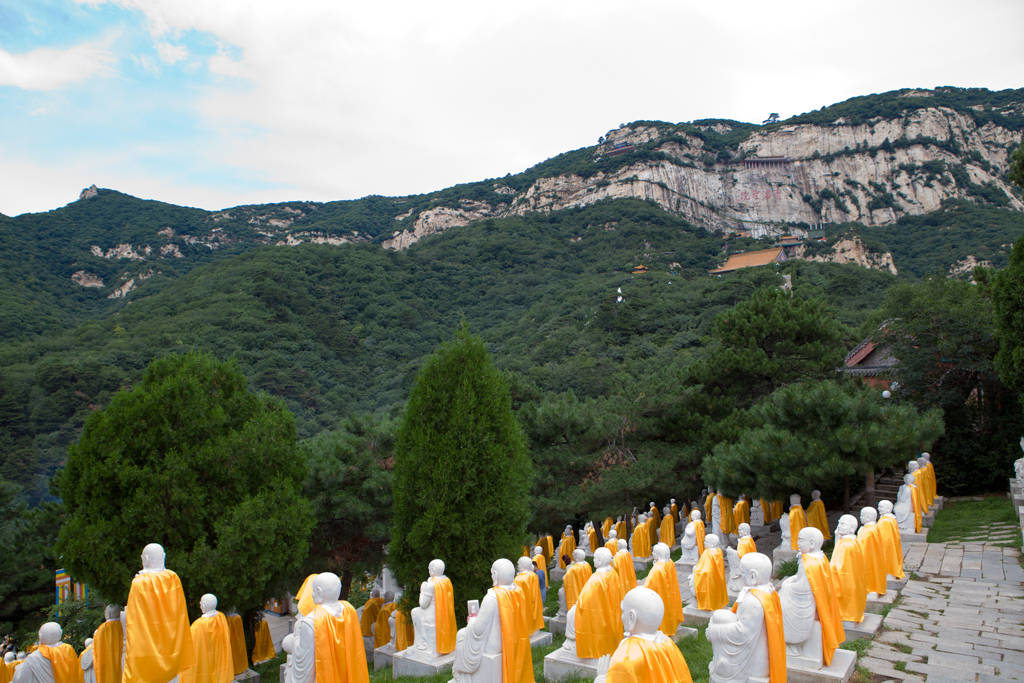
(288, 646)
(904, 508)
(424, 618)
(478, 643)
(584, 538)
(787, 541)
(733, 570)
(326, 595)
(740, 641)
(846, 526)
(36, 668)
(912, 466)
(716, 514)
(612, 536)
(756, 513)
(799, 609)
(642, 612)
(1018, 465)
(885, 508)
(640, 521)
(10, 657)
(710, 542)
(85, 660)
(690, 550)
(602, 564)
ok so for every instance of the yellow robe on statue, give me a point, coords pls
(211, 642)
(776, 510)
(664, 581)
(889, 532)
(539, 560)
(921, 482)
(848, 568)
(766, 509)
(444, 613)
(263, 646)
(6, 672)
(304, 598)
(547, 545)
(158, 636)
(528, 583)
(107, 648)
(606, 527)
(741, 513)
(640, 542)
(797, 521)
(819, 576)
(64, 661)
(565, 548)
(405, 635)
(639, 659)
(725, 509)
(933, 486)
(612, 545)
(654, 514)
(620, 530)
(874, 558)
(575, 578)
(367, 618)
(707, 505)
(745, 545)
(915, 502)
(592, 538)
(622, 564)
(516, 656)
(667, 532)
(599, 616)
(772, 607)
(709, 581)
(338, 642)
(698, 533)
(674, 511)
(818, 518)
(382, 627)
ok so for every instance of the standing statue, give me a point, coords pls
(382, 631)
(816, 515)
(108, 647)
(707, 583)
(526, 580)
(211, 642)
(848, 569)
(749, 643)
(914, 470)
(646, 653)
(725, 505)
(494, 645)
(52, 662)
(158, 643)
(733, 570)
(810, 610)
(872, 552)
(576, 577)
(890, 533)
(593, 626)
(328, 640)
(288, 647)
(674, 509)
(433, 621)
(797, 519)
(664, 581)
(745, 544)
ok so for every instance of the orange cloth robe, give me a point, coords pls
(158, 636)
(7, 672)
(64, 661)
(405, 635)
(873, 555)
(889, 531)
(382, 627)
(698, 533)
(444, 612)
(565, 548)
(741, 513)
(654, 514)
(776, 509)
(725, 506)
(547, 545)
(848, 568)
(606, 527)
(664, 581)
(709, 581)
(622, 565)
(915, 502)
(797, 521)
(766, 509)
(772, 606)
(592, 538)
(340, 657)
(818, 518)
(620, 531)
(599, 615)
(575, 578)
(541, 565)
(638, 659)
(304, 598)
(367, 618)
(516, 656)
(745, 545)
(528, 583)
(667, 531)
(612, 545)
(933, 486)
(107, 648)
(707, 505)
(211, 642)
(263, 646)
(674, 511)
(640, 541)
(819, 576)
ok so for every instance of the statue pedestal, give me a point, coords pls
(490, 668)
(928, 520)
(383, 656)
(913, 538)
(556, 574)
(368, 648)
(417, 663)
(556, 624)
(881, 601)
(684, 632)
(642, 563)
(683, 572)
(561, 665)
(800, 670)
(867, 628)
(541, 639)
(251, 676)
(695, 617)
(782, 554)
(895, 584)
(940, 500)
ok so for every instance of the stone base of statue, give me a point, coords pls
(417, 663)
(783, 553)
(642, 564)
(906, 538)
(251, 676)
(695, 617)
(556, 574)
(867, 628)
(895, 584)
(556, 624)
(368, 648)
(928, 520)
(562, 665)
(800, 670)
(684, 632)
(383, 656)
(541, 639)
(878, 602)
(1017, 497)
(683, 572)
(490, 668)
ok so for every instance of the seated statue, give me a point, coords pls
(688, 545)
(733, 570)
(848, 569)
(158, 642)
(749, 643)
(810, 611)
(889, 530)
(664, 581)
(108, 646)
(52, 662)
(640, 541)
(328, 640)
(584, 537)
(622, 564)
(576, 576)
(593, 626)
(613, 541)
(673, 509)
(526, 580)
(542, 566)
(86, 663)
(872, 552)
(369, 611)
(817, 516)
(482, 654)
(211, 642)
(288, 647)
(745, 544)
(756, 514)
(433, 621)
(741, 511)
(383, 633)
(797, 519)
(908, 515)
(707, 583)
(646, 653)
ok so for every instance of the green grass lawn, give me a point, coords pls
(964, 519)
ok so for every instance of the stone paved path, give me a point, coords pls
(961, 618)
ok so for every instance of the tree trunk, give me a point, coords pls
(346, 582)
(846, 492)
(869, 487)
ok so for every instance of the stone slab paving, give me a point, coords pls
(960, 618)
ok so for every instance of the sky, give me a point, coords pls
(216, 103)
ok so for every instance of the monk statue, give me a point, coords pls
(646, 653)
(288, 647)
(622, 564)
(756, 514)
(797, 519)
(664, 581)
(576, 576)
(593, 625)
(52, 662)
(728, 521)
(328, 640)
(733, 570)
(108, 646)
(495, 644)
(667, 530)
(368, 613)
(613, 541)
(741, 511)
(688, 545)
(716, 513)
(810, 610)
(889, 529)
(786, 537)
(698, 530)
(584, 537)
(526, 580)
(383, 630)
(640, 541)
(433, 621)
(673, 509)
(158, 642)
(85, 662)
(211, 642)
(848, 569)
(908, 515)
(707, 583)
(745, 544)
(542, 566)
(924, 466)
(872, 552)
(816, 515)
(749, 643)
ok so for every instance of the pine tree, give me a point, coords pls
(462, 473)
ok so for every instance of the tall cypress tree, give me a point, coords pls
(462, 472)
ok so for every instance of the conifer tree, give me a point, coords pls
(462, 473)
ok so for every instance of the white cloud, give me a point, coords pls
(170, 53)
(48, 68)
